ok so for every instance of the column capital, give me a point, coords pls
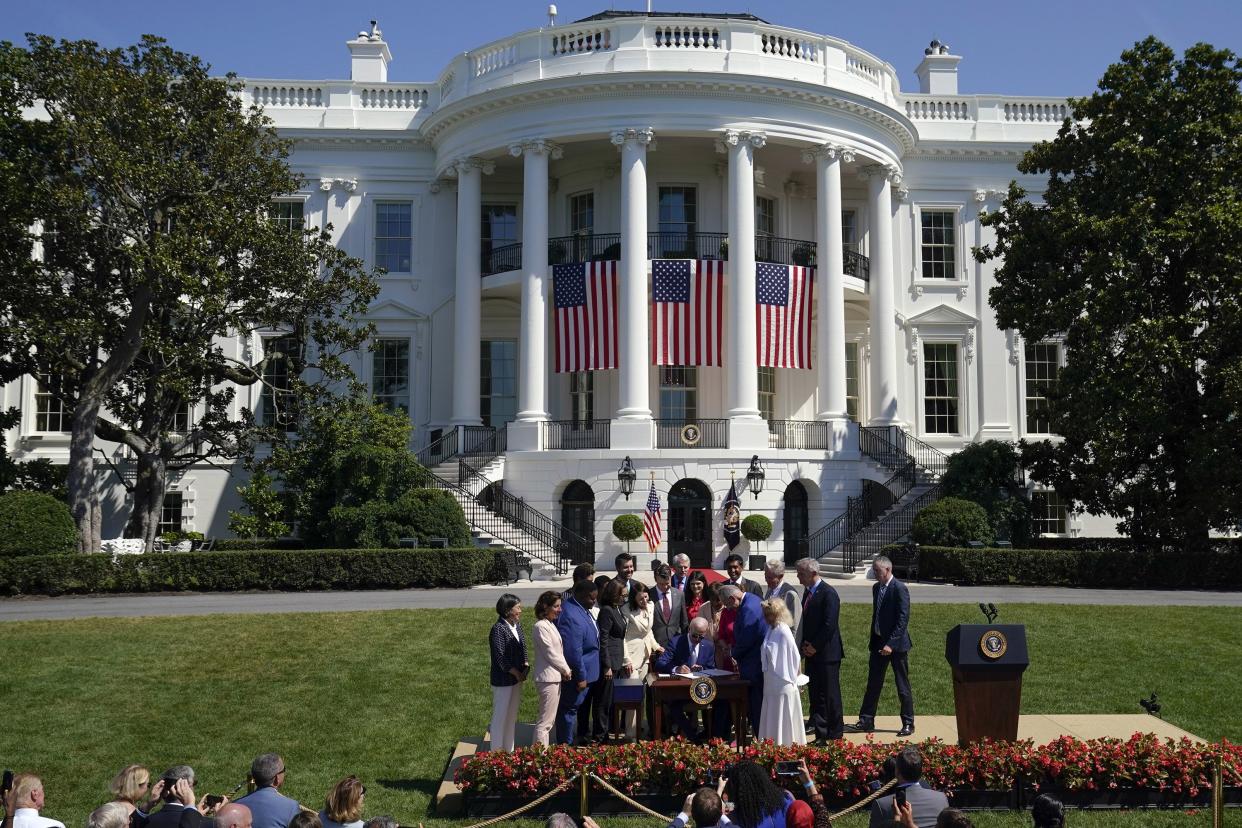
(471, 163)
(538, 146)
(642, 135)
(828, 152)
(734, 137)
(889, 171)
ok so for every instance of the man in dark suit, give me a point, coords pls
(890, 644)
(925, 803)
(733, 566)
(668, 608)
(681, 571)
(819, 637)
(178, 810)
(687, 653)
(749, 630)
(625, 563)
(580, 638)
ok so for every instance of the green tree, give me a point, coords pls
(627, 528)
(952, 521)
(264, 509)
(1135, 256)
(987, 473)
(140, 191)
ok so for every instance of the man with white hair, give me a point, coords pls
(819, 638)
(774, 576)
(27, 800)
(749, 630)
(681, 571)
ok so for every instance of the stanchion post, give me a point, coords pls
(1218, 792)
(584, 797)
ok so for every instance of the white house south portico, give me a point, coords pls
(723, 146)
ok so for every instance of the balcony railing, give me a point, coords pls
(606, 247)
(692, 434)
(799, 434)
(576, 434)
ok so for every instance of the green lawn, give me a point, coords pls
(386, 695)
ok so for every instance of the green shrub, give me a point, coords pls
(246, 544)
(756, 528)
(419, 513)
(952, 521)
(294, 571)
(627, 527)
(32, 523)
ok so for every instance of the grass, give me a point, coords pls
(386, 695)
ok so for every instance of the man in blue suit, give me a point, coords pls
(580, 638)
(749, 630)
(819, 635)
(687, 653)
(890, 644)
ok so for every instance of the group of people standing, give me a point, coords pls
(612, 627)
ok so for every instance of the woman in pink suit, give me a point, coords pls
(552, 668)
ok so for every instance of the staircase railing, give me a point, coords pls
(470, 441)
(872, 539)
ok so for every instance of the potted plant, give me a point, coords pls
(803, 255)
(756, 528)
(627, 528)
(182, 541)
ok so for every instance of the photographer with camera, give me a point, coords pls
(180, 810)
(925, 804)
(705, 806)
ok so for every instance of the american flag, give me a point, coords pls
(784, 297)
(687, 314)
(586, 316)
(652, 530)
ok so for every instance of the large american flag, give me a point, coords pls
(784, 297)
(586, 316)
(652, 530)
(687, 312)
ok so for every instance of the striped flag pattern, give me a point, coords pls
(784, 297)
(687, 312)
(652, 530)
(585, 299)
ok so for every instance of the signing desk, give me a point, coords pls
(731, 690)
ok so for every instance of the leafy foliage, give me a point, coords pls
(627, 527)
(756, 528)
(264, 506)
(32, 523)
(39, 475)
(952, 521)
(1135, 257)
(987, 473)
(419, 513)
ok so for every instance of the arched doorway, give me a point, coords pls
(797, 523)
(690, 521)
(578, 514)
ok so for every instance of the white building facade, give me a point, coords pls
(626, 139)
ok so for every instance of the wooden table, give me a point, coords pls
(732, 689)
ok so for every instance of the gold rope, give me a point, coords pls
(629, 801)
(872, 797)
(564, 785)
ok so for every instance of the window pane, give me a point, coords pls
(582, 213)
(582, 397)
(50, 414)
(287, 214)
(393, 236)
(1051, 513)
(940, 389)
(170, 515)
(498, 382)
(390, 374)
(678, 222)
(679, 396)
(1042, 364)
(851, 380)
(767, 393)
(938, 247)
(276, 400)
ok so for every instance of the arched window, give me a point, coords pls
(578, 514)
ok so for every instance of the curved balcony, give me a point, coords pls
(606, 247)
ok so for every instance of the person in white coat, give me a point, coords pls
(781, 716)
(640, 644)
(551, 667)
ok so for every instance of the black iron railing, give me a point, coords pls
(501, 259)
(857, 265)
(687, 245)
(478, 442)
(799, 434)
(692, 434)
(585, 247)
(890, 446)
(784, 251)
(576, 434)
(439, 450)
(872, 539)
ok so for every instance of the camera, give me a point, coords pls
(213, 800)
(788, 768)
(7, 784)
(899, 799)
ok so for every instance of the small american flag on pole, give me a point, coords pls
(784, 297)
(585, 297)
(652, 529)
(687, 312)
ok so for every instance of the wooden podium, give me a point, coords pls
(988, 661)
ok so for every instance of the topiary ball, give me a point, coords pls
(32, 523)
(627, 527)
(952, 521)
(756, 528)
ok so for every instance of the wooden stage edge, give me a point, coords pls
(1042, 729)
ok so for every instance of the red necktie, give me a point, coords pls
(668, 610)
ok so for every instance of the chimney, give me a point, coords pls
(938, 72)
(369, 57)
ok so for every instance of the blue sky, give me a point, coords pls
(1051, 47)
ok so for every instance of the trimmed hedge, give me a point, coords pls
(292, 571)
(247, 545)
(1107, 568)
(1122, 544)
(952, 521)
(32, 523)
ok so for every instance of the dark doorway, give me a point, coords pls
(797, 523)
(578, 514)
(690, 522)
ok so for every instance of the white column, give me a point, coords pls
(634, 401)
(831, 277)
(532, 402)
(466, 316)
(883, 309)
(742, 374)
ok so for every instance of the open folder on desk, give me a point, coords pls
(711, 671)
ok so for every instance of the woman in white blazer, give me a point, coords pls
(551, 667)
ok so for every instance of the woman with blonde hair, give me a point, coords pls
(131, 788)
(781, 715)
(343, 807)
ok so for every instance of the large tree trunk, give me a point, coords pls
(83, 491)
(148, 498)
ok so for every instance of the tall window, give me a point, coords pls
(679, 221)
(50, 414)
(939, 247)
(500, 230)
(849, 230)
(276, 407)
(767, 393)
(171, 514)
(287, 214)
(182, 419)
(393, 236)
(679, 393)
(765, 229)
(1050, 512)
(851, 380)
(1042, 364)
(940, 388)
(582, 398)
(390, 374)
(582, 214)
(498, 382)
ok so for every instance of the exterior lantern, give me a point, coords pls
(754, 476)
(626, 476)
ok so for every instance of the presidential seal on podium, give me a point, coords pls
(993, 644)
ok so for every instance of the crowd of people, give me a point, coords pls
(608, 631)
(172, 802)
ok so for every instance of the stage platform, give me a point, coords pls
(1041, 729)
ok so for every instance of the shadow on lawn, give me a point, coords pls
(430, 787)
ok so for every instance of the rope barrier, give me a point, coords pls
(867, 800)
(533, 803)
(627, 800)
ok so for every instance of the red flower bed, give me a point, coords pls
(843, 770)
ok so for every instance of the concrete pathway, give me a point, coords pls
(852, 592)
